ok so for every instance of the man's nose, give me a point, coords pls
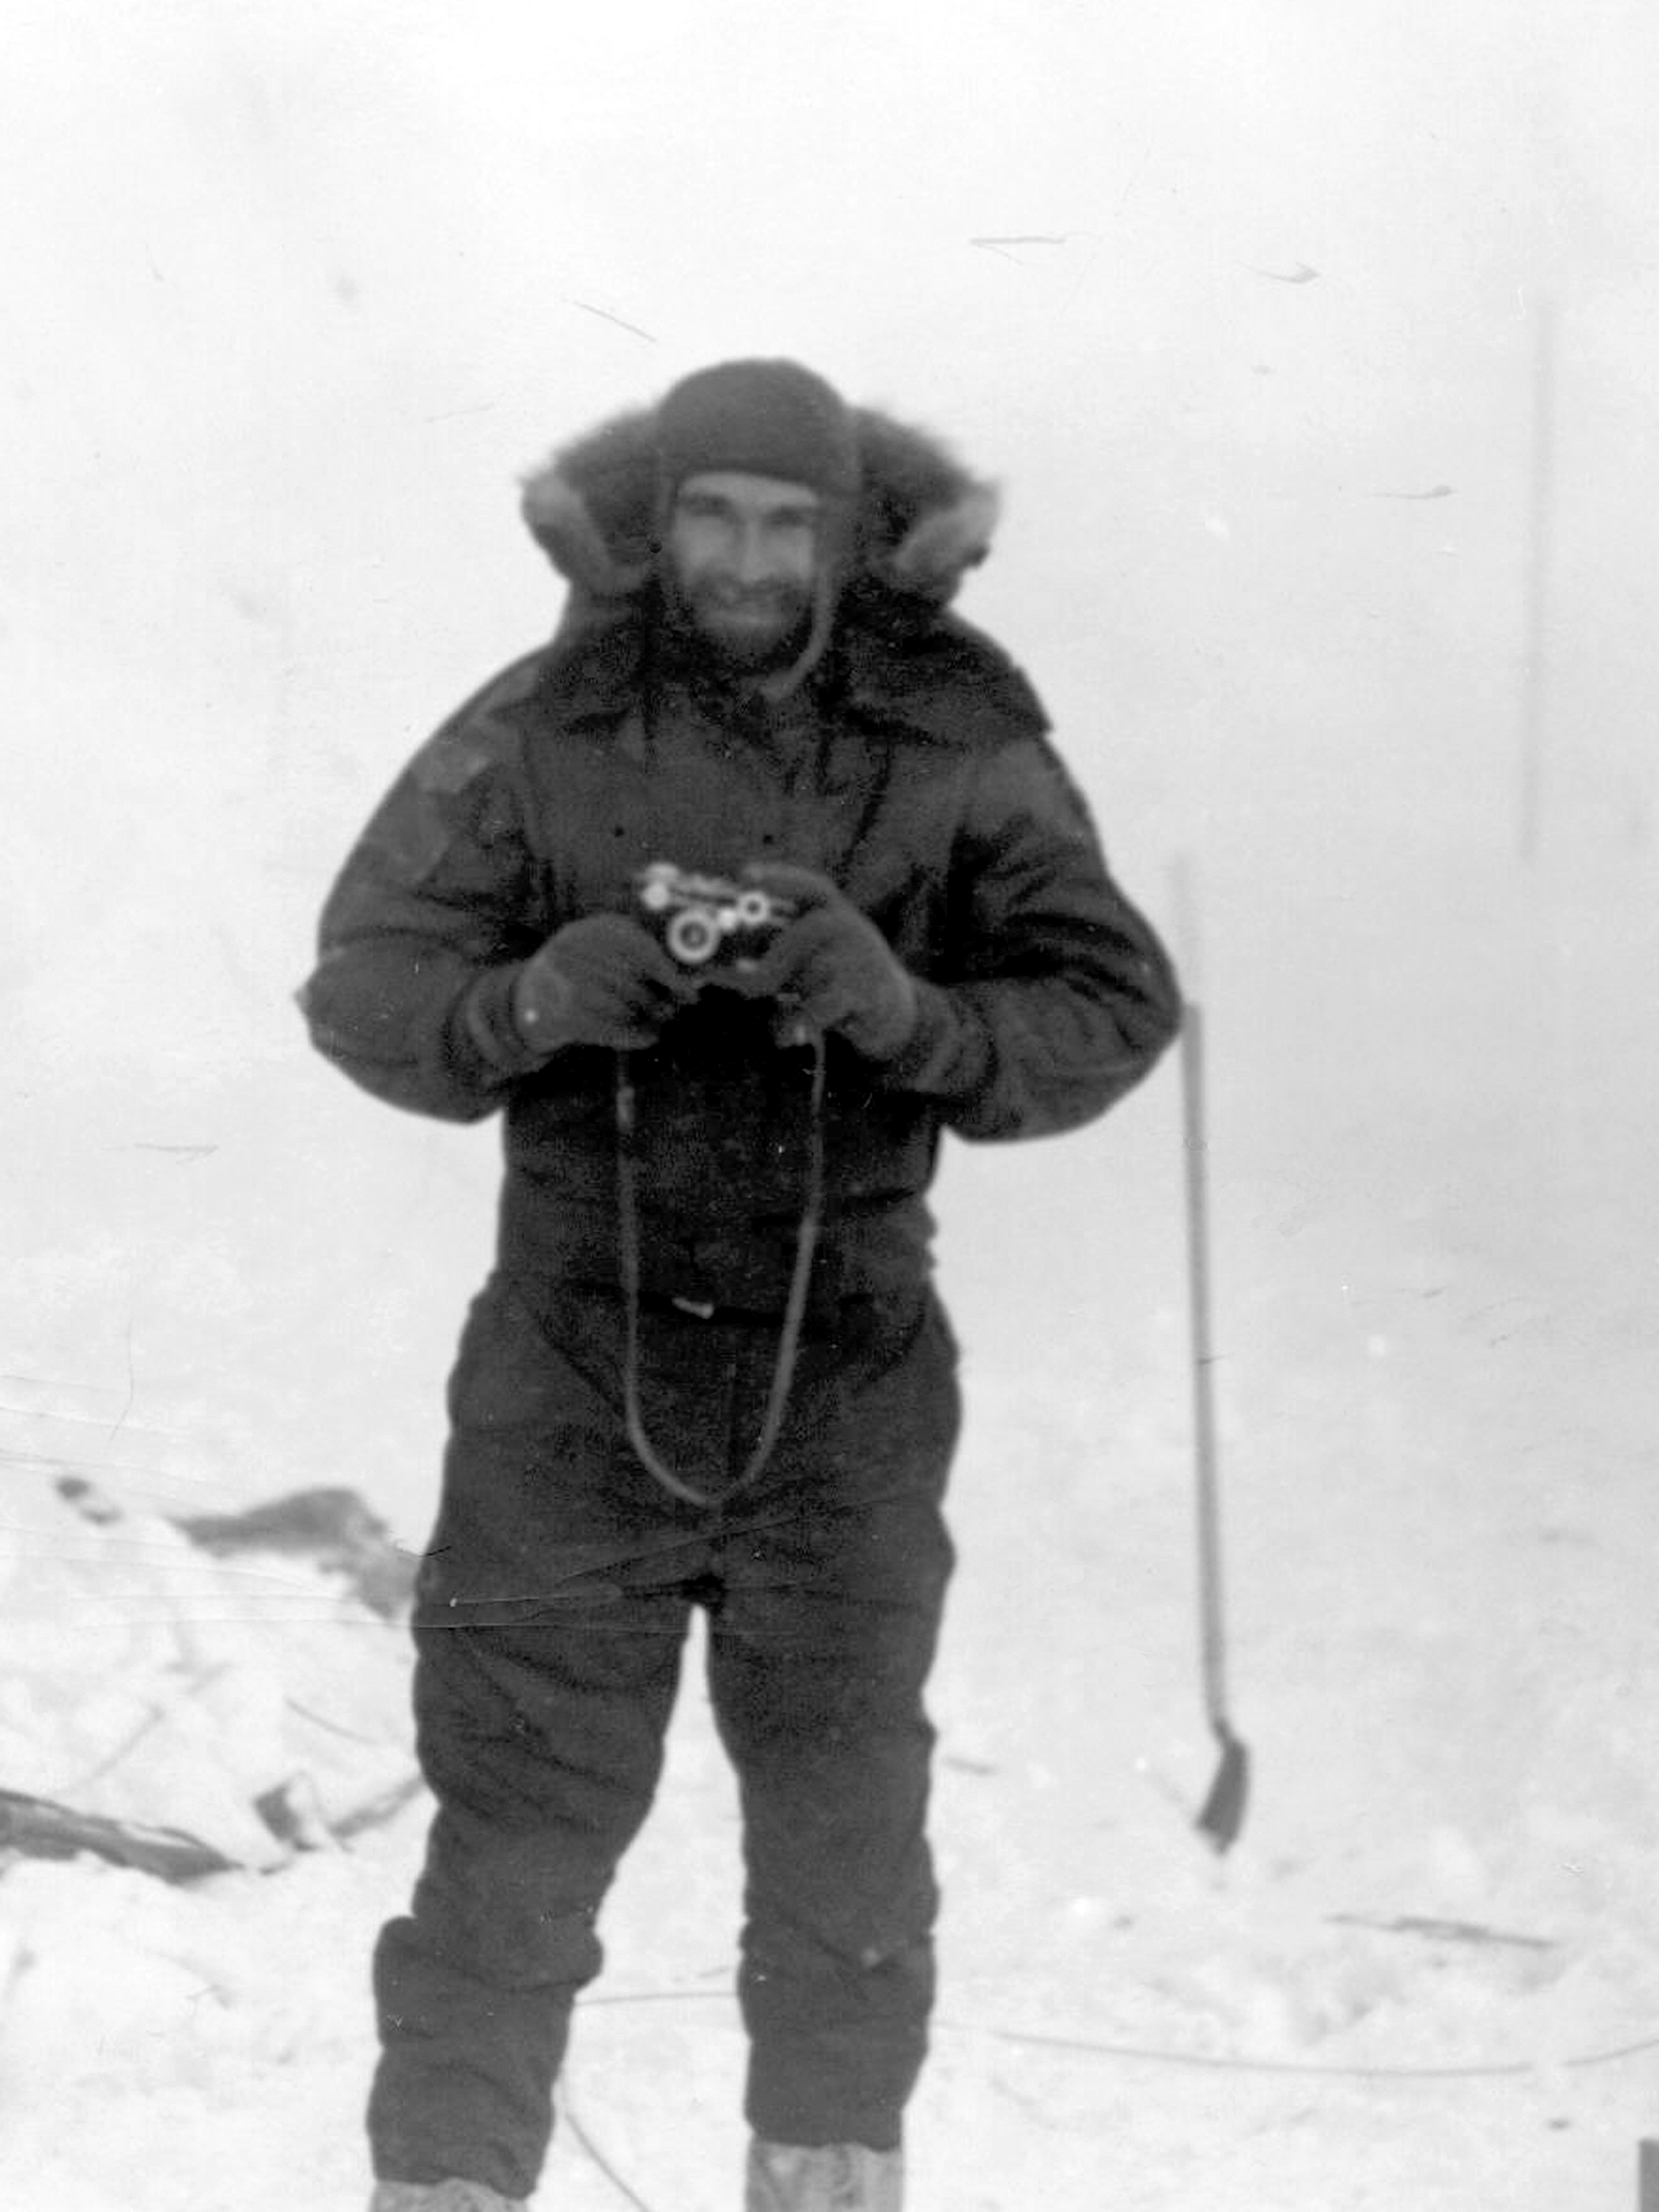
(751, 559)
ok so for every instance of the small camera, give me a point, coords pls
(709, 922)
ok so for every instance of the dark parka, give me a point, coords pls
(911, 766)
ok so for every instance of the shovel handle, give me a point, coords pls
(1203, 1359)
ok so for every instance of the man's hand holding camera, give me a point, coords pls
(832, 968)
(603, 979)
(614, 979)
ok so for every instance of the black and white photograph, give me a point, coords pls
(830, 1324)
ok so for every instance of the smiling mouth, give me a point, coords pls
(747, 622)
(749, 603)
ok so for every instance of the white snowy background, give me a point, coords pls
(1321, 382)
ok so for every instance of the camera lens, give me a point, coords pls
(693, 936)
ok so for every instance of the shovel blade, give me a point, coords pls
(1222, 1815)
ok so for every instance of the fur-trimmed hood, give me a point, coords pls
(921, 521)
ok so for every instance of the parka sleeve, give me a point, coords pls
(438, 903)
(1053, 996)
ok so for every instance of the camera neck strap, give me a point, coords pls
(794, 1310)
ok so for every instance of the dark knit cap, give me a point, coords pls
(767, 418)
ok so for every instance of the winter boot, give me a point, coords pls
(831, 2178)
(454, 2196)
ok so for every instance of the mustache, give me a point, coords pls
(751, 597)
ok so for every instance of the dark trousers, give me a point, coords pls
(550, 1621)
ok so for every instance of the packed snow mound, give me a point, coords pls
(241, 1680)
(229, 1693)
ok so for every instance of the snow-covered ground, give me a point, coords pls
(1310, 598)
(1429, 1971)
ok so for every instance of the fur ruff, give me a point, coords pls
(920, 523)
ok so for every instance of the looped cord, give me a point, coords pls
(795, 1311)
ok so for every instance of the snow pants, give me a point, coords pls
(551, 1616)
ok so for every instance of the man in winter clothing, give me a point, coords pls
(709, 1368)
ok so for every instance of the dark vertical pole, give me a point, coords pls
(1222, 1815)
(1203, 1358)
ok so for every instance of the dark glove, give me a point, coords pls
(831, 968)
(603, 979)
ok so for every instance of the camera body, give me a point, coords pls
(709, 922)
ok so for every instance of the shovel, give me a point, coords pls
(1222, 1815)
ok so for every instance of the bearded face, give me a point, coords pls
(743, 563)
